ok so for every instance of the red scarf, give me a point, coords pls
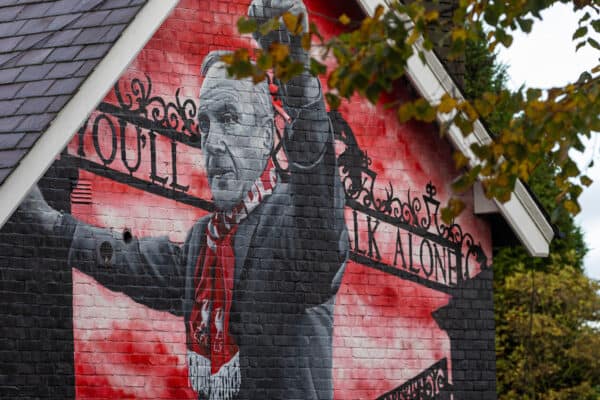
(213, 359)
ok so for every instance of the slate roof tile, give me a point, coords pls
(61, 37)
(122, 15)
(35, 105)
(58, 103)
(35, 26)
(64, 70)
(10, 140)
(4, 172)
(28, 140)
(33, 57)
(34, 10)
(10, 91)
(93, 51)
(35, 123)
(34, 72)
(114, 4)
(91, 19)
(114, 33)
(10, 13)
(9, 44)
(9, 60)
(8, 124)
(61, 21)
(47, 50)
(87, 5)
(87, 68)
(35, 88)
(64, 53)
(10, 158)
(92, 35)
(8, 3)
(10, 107)
(28, 41)
(10, 74)
(64, 86)
(10, 28)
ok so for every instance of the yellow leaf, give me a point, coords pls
(279, 52)
(344, 19)
(405, 112)
(306, 42)
(460, 160)
(483, 107)
(585, 180)
(414, 35)
(432, 15)
(290, 20)
(447, 104)
(459, 34)
(572, 207)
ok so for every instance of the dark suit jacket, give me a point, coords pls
(290, 255)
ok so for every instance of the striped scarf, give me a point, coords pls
(213, 355)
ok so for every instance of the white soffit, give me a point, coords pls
(74, 113)
(432, 81)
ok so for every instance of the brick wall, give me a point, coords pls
(342, 283)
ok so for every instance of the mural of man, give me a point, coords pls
(255, 281)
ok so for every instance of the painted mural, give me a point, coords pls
(238, 241)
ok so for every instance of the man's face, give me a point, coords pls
(236, 135)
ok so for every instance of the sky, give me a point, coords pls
(545, 58)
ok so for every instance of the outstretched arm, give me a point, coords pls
(149, 270)
(319, 239)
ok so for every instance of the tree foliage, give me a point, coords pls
(541, 125)
(547, 344)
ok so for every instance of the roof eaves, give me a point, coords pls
(432, 81)
(77, 109)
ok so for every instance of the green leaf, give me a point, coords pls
(525, 24)
(570, 169)
(586, 180)
(594, 43)
(580, 32)
(316, 68)
(585, 17)
(269, 26)
(333, 100)
(454, 208)
(372, 92)
(246, 25)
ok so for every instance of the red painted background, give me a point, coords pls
(384, 333)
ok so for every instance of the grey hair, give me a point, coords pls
(212, 58)
(215, 56)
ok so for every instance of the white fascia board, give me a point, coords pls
(87, 98)
(432, 81)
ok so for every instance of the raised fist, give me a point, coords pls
(263, 10)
